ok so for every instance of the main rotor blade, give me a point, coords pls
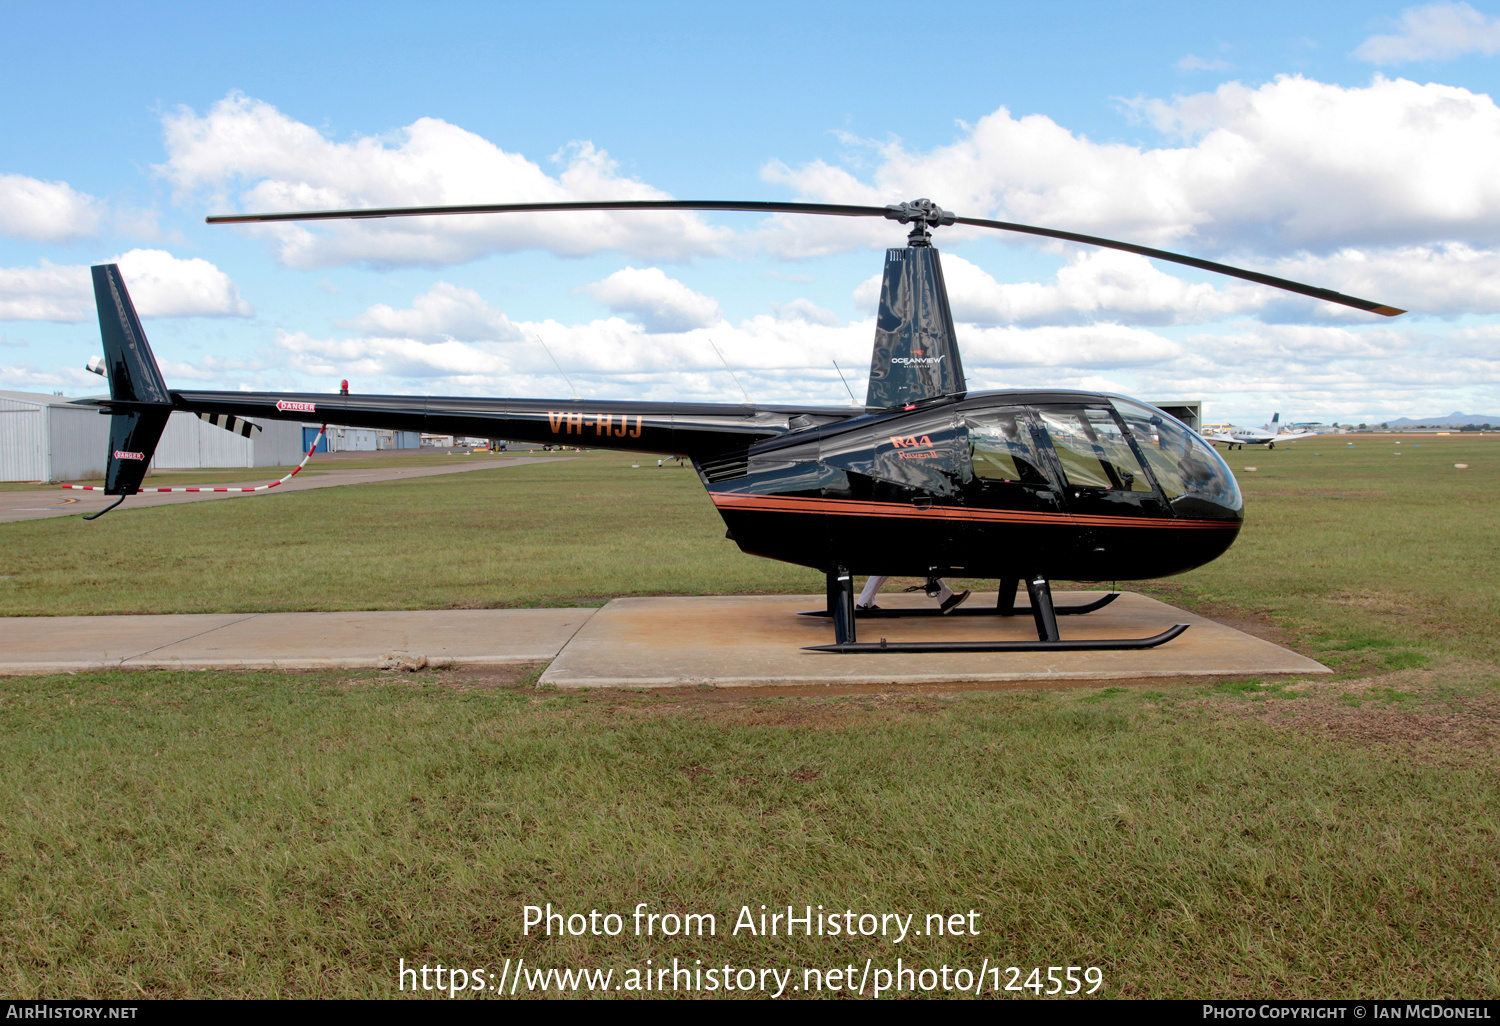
(752, 206)
(900, 212)
(1177, 258)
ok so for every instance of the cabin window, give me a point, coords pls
(1184, 464)
(1093, 450)
(1003, 449)
(922, 455)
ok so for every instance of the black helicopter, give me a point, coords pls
(928, 480)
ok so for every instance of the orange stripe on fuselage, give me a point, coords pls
(853, 508)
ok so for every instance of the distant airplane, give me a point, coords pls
(1268, 436)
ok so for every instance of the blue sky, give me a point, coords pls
(1353, 146)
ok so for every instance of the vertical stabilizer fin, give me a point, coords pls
(142, 403)
(132, 370)
(132, 444)
(916, 350)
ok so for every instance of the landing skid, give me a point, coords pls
(844, 615)
(999, 610)
(1092, 645)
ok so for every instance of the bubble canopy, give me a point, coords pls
(1190, 472)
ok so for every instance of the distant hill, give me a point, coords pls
(1452, 420)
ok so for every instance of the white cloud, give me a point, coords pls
(1306, 372)
(28, 377)
(1291, 165)
(776, 360)
(790, 353)
(405, 359)
(160, 285)
(48, 292)
(46, 211)
(787, 355)
(806, 310)
(1445, 280)
(1095, 285)
(442, 312)
(1301, 348)
(659, 303)
(210, 368)
(1093, 346)
(1439, 31)
(1104, 285)
(1192, 63)
(1244, 369)
(271, 162)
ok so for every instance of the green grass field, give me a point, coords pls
(223, 834)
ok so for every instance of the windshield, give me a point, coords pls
(1185, 465)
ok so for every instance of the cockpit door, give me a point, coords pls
(1014, 519)
(1105, 487)
(891, 492)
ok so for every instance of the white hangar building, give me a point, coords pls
(46, 438)
(189, 443)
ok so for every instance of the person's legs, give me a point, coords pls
(872, 588)
(948, 599)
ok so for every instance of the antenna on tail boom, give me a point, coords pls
(732, 374)
(564, 373)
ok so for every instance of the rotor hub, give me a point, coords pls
(923, 215)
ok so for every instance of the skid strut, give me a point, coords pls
(1005, 605)
(841, 605)
(1043, 612)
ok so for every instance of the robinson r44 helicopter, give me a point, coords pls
(928, 480)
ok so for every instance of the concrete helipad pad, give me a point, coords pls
(49, 644)
(650, 642)
(734, 640)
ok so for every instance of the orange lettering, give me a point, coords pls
(602, 422)
(637, 432)
(575, 423)
(555, 419)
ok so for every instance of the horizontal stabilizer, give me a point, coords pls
(238, 425)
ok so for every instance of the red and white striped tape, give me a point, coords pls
(257, 488)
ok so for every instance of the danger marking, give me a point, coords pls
(282, 404)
